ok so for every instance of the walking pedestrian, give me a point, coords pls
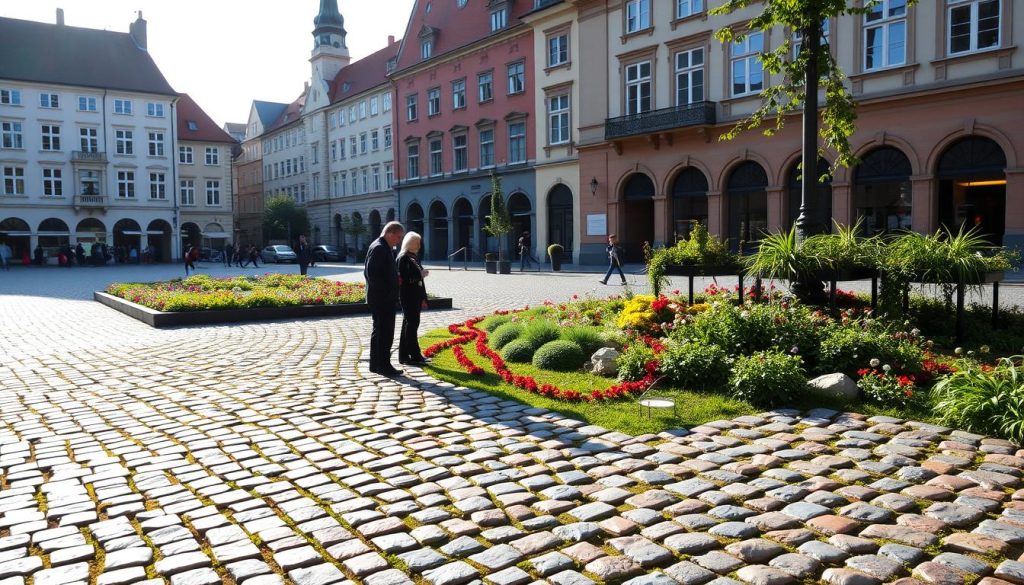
(525, 256)
(304, 252)
(614, 259)
(413, 298)
(254, 256)
(381, 274)
(190, 259)
(229, 252)
(80, 254)
(5, 256)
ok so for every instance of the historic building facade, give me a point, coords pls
(248, 173)
(464, 109)
(939, 133)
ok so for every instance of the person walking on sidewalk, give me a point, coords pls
(525, 256)
(305, 255)
(614, 259)
(190, 259)
(229, 254)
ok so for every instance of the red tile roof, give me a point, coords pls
(364, 74)
(290, 115)
(454, 27)
(191, 115)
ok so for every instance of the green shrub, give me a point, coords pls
(767, 378)
(695, 365)
(848, 348)
(505, 334)
(589, 339)
(745, 329)
(982, 401)
(519, 351)
(494, 321)
(540, 331)
(559, 355)
(633, 362)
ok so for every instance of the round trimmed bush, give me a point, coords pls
(495, 321)
(588, 338)
(519, 351)
(505, 334)
(559, 355)
(767, 378)
(540, 331)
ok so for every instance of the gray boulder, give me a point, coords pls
(834, 386)
(604, 362)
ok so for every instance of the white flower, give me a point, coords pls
(959, 351)
(886, 368)
(874, 362)
(915, 332)
(984, 349)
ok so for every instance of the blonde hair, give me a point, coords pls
(407, 241)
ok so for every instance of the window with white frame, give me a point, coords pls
(352, 115)
(386, 102)
(212, 156)
(341, 148)
(126, 184)
(51, 136)
(436, 157)
(332, 120)
(156, 144)
(316, 152)
(638, 87)
(88, 140)
(460, 150)
(798, 37)
(342, 183)
(157, 186)
(434, 101)
(499, 19)
(353, 146)
(558, 50)
(389, 176)
(516, 78)
(426, 48)
(362, 143)
(213, 193)
(558, 119)
(355, 182)
(49, 100)
(485, 86)
(332, 189)
(413, 161)
(366, 181)
(376, 179)
(185, 155)
(410, 107)
(375, 140)
(123, 142)
(387, 138)
(122, 106)
(486, 147)
(14, 180)
(187, 190)
(11, 135)
(10, 97)
(459, 94)
(302, 163)
(747, 72)
(86, 103)
(686, 8)
(53, 182)
(638, 15)
(334, 150)
(690, 76)
(973, 25)
(885, 35)
(374, 106)
(517, 142)
(155, 110)
(362, 110)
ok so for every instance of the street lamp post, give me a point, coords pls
(809, 165)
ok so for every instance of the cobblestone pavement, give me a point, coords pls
(264, 453)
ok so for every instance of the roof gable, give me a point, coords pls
(364, 74)
(195, 125)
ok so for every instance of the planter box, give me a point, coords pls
(844, 274)
(491, 266)
(986, 278)
(160, 319)
(504, 267)
(694, 270)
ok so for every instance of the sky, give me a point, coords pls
(226, 53)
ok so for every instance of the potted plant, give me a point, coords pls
(555, 252)
(499, 223)
(699, 255)
(491, 263)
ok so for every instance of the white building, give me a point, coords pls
(87, 124)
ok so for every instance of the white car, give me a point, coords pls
(278, 254)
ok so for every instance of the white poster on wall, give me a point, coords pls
(597, 224)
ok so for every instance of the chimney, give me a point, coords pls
(138, 31)
(60, 17)
(391, 39)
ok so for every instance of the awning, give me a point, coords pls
(216, 235)
(131, 233)
(56, 234)
(15, 234)
(154, 232)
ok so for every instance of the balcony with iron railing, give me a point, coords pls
(695, 114)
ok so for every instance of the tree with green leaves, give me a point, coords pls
(499, 223)
(353, 226)
(283, 220)
(803, 73)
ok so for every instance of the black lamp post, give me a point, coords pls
(809, 165)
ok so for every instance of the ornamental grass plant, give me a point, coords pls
(984, 399)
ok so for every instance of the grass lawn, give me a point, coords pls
(692, 408)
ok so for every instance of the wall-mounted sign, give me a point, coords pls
(597, 224)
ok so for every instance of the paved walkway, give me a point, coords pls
(265, 453)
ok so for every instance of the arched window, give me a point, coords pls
(747, 201)
(881, 191)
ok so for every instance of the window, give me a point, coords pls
(516, 78)
(558, 50)
(316, 152)
(386, 102)
(14, 181)
(11, 135)
(155, 110)
(638, 15)
(461, 150)
(86, 104)
(638, 88)
(10, 97)
(123, 107)
(302, 164)
(352, 115)
(436, 158)
(413, 161)
(362, 143)
(410, 107)
(185, 155)
(51, 137)
(686, 8)
(387, 137)
(499, 19)
(798, 38)
(434, 101)
(342, 183)
(973, 25)
(689, 77)
(485, 85)
(426, 49)
(126, 184)
(332, 120)
(355, 182)
(156, 144)
(376, 179)
(747, 74)
(187, 189)
(49, 100)
(389, 176)
(374, 106)
(212, 155)
(53, 183)
(517, 142)
(375, 140)
(157, 186)
(362, 110)
(366, 182)
(341, 148)
(352, 146)
(334, 151)
(459, 94)
(885, 35)
(213, 193)
(487, 148)
(558, 119)
(123, 143)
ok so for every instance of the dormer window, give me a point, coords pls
(192, 126)
(499, 19)
(426, 48)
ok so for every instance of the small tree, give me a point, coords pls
(282, 219)
(499, 224)
(353, 227)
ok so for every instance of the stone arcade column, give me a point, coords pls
(923, 215)
(717, 225)
(662, 217)
(1014, 208)
(776, 213)
(842, 203)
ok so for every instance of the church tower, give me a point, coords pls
(330, 54)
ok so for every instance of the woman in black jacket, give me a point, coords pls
(413, 298)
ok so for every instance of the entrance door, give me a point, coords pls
(972, 188)
(638, 216)
(560, 220)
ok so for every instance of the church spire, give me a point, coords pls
(329, 22)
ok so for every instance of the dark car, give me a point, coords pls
(326, 253)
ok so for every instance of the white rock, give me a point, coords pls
(605, 361)
(834, 386)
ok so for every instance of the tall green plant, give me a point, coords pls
(983, 401)
(499, 224)
(778, 257)
(700, 249)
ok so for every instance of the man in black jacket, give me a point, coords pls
(305, 255)
(381, 273)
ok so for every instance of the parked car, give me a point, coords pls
(278, 254)
(326, 253)
(210, 255)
